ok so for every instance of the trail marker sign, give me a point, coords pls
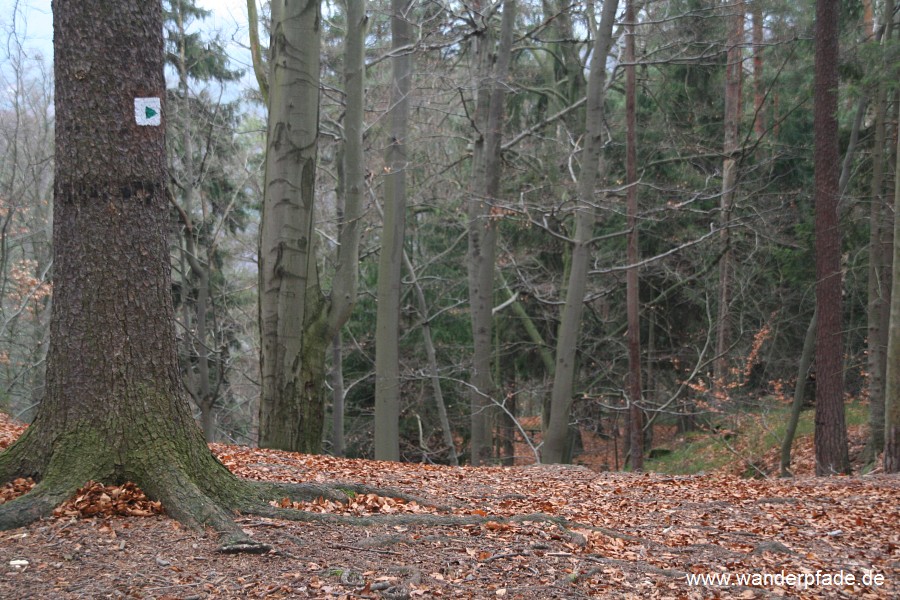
(147, 111)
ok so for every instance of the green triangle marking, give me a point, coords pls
(149, 112)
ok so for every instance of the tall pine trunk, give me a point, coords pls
(115, 408)
(892, 401)
(830, 428)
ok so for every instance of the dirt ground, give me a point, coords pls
(544, 532)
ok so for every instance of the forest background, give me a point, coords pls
(720, 237)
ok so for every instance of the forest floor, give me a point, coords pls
(545, 532)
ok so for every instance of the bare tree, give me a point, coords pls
(556, 437)
(492, 71)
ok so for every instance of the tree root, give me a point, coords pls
(338, 492)
(36, 504)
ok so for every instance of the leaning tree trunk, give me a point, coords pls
(733, 73)
(556, 437)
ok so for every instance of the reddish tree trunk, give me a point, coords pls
(830, 429)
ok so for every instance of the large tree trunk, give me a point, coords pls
(390, 261)
(296, 321)
(493, 68)
(556, 437)
(830, 428)
(115, 408)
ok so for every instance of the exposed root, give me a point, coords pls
(36, 504)
(338, 492)
(188, 504)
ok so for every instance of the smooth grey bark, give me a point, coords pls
(390, 260)
(492, 72)
(259, 70)
(555, 448)
(632, 292)
(297, 321)
(879, 289)
(337, 396)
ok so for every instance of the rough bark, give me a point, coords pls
(830, 428)
(556, 437)
(493, 69)
(390, 261)
(115, 408)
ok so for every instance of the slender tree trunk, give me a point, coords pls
(259, 70)
(493, 69)
(806, 358)
(556, 444)
(733, 76)
(196, 327)
(390, 261)
(892, 395)
(433, 372)
(632, 293)
(831, 433)
(809, 341)
(879, 266)
(759, 96)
